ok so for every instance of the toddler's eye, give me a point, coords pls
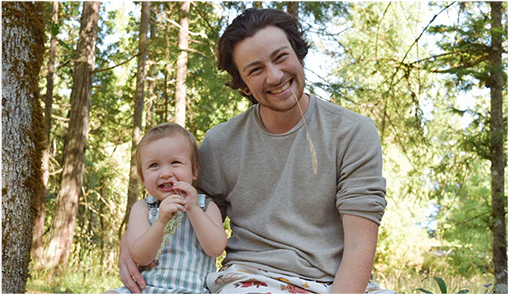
(154, 165)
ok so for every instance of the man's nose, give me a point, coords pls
(274, 74)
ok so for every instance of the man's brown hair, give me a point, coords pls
(247, 25)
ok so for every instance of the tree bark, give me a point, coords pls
(64, 219)
(152, 65)
(22, 136)
(48, 111)
(498, 164)
(292, 8)
(167, 68)
(181, 64)
(133, 192)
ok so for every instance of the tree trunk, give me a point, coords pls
(64, 219)
(292, 8)
(167, 68)
(497, 130)
(103, 232)
(133, 192)
(152, 65)
(22, 136)
(258, 4)
(48, 111)
(181, 64)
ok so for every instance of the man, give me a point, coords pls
(300, 178)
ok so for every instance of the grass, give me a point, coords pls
(407, 283)
(73, 281)
(87, 275)
(78, 281)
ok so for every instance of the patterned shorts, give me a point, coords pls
(242, 279)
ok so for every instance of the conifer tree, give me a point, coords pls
(22, 136)
(64, 218)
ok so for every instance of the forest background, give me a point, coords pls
(432, 76)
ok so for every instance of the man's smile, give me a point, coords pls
(282, 89)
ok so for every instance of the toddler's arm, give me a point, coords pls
(144, 240)
(207, 225)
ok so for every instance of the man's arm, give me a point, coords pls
(360, 243)
(129, 269)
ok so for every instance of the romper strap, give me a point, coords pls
(153, 208)
(202, 201)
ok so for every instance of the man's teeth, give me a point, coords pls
(281, 89)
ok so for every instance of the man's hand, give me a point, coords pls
(129, 272)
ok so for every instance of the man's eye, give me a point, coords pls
(280, 56)
(255, 70)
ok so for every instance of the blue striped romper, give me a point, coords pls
(183, 265)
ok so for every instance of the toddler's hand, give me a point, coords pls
(189, 192)
(169, 207)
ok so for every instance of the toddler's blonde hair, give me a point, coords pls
(166, 130)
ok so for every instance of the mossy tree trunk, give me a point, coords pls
(498, 163)
(22, 136)
(64, 218)
(181, 64)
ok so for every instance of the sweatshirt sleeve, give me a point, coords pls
(361, 187)
(211, 179)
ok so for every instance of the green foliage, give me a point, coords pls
(373, 75)
(398, 231)
(210, 101)
(443, 288)
(465, 223)
(464, 45)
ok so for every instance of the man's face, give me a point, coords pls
(270, 68)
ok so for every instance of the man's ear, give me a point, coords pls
(246, 91)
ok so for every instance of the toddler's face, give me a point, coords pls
(164, 162)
